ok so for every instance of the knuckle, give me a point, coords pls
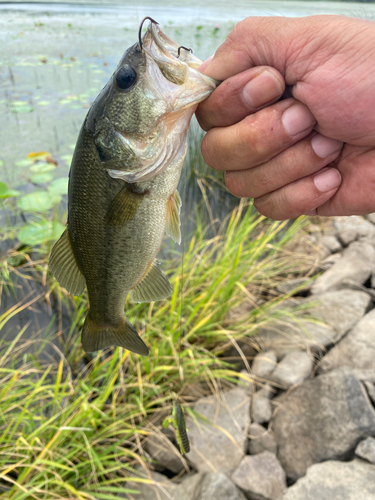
(211, 150)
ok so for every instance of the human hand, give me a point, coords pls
(313, 153)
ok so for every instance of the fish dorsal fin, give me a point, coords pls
(172, 227)
(154, 286)
(64, 267)
(123, 207)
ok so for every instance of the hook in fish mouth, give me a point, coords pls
(140, 28)
(182, 47)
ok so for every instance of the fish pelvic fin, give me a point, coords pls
(124, 207)
(172, 227)
(96, 337)
(64, 267)
(154, 286)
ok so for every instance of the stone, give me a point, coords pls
(293, 369)
(264, 364)
(356, 263)
(339, 311)
(370, 388)
(160, 449)
(370, 217)
(301, 284)
(262, 408)
(260, 439)
(322, 419)
(260, 477)
(356, 349)
(349, 229)
(329, 261)
(334, 480)
(211, 448)
(331, 244)
(212, 486)
(159, 488)
(366, 450)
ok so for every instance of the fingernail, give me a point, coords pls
(296, 119)
(324, 146)
(327, 180)
(262, 89)
(204, 64)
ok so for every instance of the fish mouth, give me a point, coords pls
(177, 63)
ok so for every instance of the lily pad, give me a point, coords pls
(42, 167)
(59, 186)
(38, 201)
(24, 163)
(22, 109)
(36, 233)
(44, 103)
(41, 178)
(5, 192)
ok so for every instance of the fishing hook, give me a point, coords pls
(140, 29)
(182, 47)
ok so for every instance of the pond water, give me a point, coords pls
(55, 57)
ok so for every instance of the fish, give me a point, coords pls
(122, 194)
(181, 432)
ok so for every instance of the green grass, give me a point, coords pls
(75, 430)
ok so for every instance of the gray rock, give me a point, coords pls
(352, 228)
(335, 481)
(356, 349)
(264, 364)
(339, 310)
(329, 261)
(211, 449)
(262, 408)
(331, 244)
(293, 369)
(356, 263)
(160, 448)
(366, 450)
(302, 285)
(324, 418)
(370, 217)
(260, 439)
(370, 388)
(260, 477)
(212, 486)
(159, 488)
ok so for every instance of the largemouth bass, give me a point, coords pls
(123, 186)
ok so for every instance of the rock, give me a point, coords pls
(356, 349)
(264, 364)
(211, 449)
(200, 486)
(324, 418)
(262, 409)
(260, 439)
(160, 489)
(331, 244)
(303, 284)
(370, 387)
(329, 261)
(212, 486)
(349, 229)
(366, 450)
(370, 217)
(356, 263)
(160, 448)
(339, 310)
(335, 481)
(260, 477)
(293, 369)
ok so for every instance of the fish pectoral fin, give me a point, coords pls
(64, 267)
(172, 227)
(154, 286)
(123, 207)
(96, 337)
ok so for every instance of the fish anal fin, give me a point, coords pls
(172, 227)
(96, 337)
(64, 267)
(154, 286)
(123, 207)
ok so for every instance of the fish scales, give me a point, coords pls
(123, 187)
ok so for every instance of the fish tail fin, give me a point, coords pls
(96, 337)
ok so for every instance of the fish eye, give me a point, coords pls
(126, 77)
